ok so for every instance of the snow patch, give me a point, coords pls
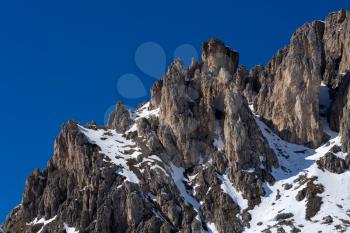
(69, 229)
(228, 188)
(178, 177)
(212, 228)
(116, 147)
(41, 221)
(142, 112)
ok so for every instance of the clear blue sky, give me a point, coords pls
(61, 60)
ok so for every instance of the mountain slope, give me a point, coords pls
(212, 151)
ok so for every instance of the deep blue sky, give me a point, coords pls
(61, 60)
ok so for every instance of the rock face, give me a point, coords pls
(120, 119)
(249, 82)
(289, 97)
(201, 112)
(345, 126)
(290, 101)
(337, 71)
(333, 163)
(156, 92)
(340, 100)
(216, 56)
(195, 158)
(336, 46)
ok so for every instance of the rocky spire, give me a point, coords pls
(120, 118)
(216, 55)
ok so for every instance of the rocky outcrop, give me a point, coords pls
(311, 193)
(333, 163)
(345, 126)
(120, 118)
(216, 56)
(197, 110)
(336, 47)
(246, 149)
(340, 99)
(156, 94)
(249, 82)
(289, 102)
(337, 71)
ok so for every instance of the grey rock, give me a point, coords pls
(216, 56)
(283, 216)
(336, 47)
(156, 93)
(332, 163)
(120, 118)
(289, 101)
(327, 220)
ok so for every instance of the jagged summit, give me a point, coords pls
(216, 55)
(218, 148)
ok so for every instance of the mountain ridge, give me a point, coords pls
(212, 151)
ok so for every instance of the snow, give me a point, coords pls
(296, 160)
(70, 229)
(117, 148)
(178, 177)
(155, 157)
(236, 196)
(41, 221)
(177, 173)
(212, 228)
(142, 112)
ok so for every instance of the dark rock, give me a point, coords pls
(283, 216)
(333, 163)
(339, 101)
(280, 230)
(287, 186)
(250, 82)
(327, 220)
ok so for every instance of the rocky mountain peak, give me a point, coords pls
(216, 55)
(218, 148)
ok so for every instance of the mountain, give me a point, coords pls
(218, 148)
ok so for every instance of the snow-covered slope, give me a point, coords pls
(297, 166)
